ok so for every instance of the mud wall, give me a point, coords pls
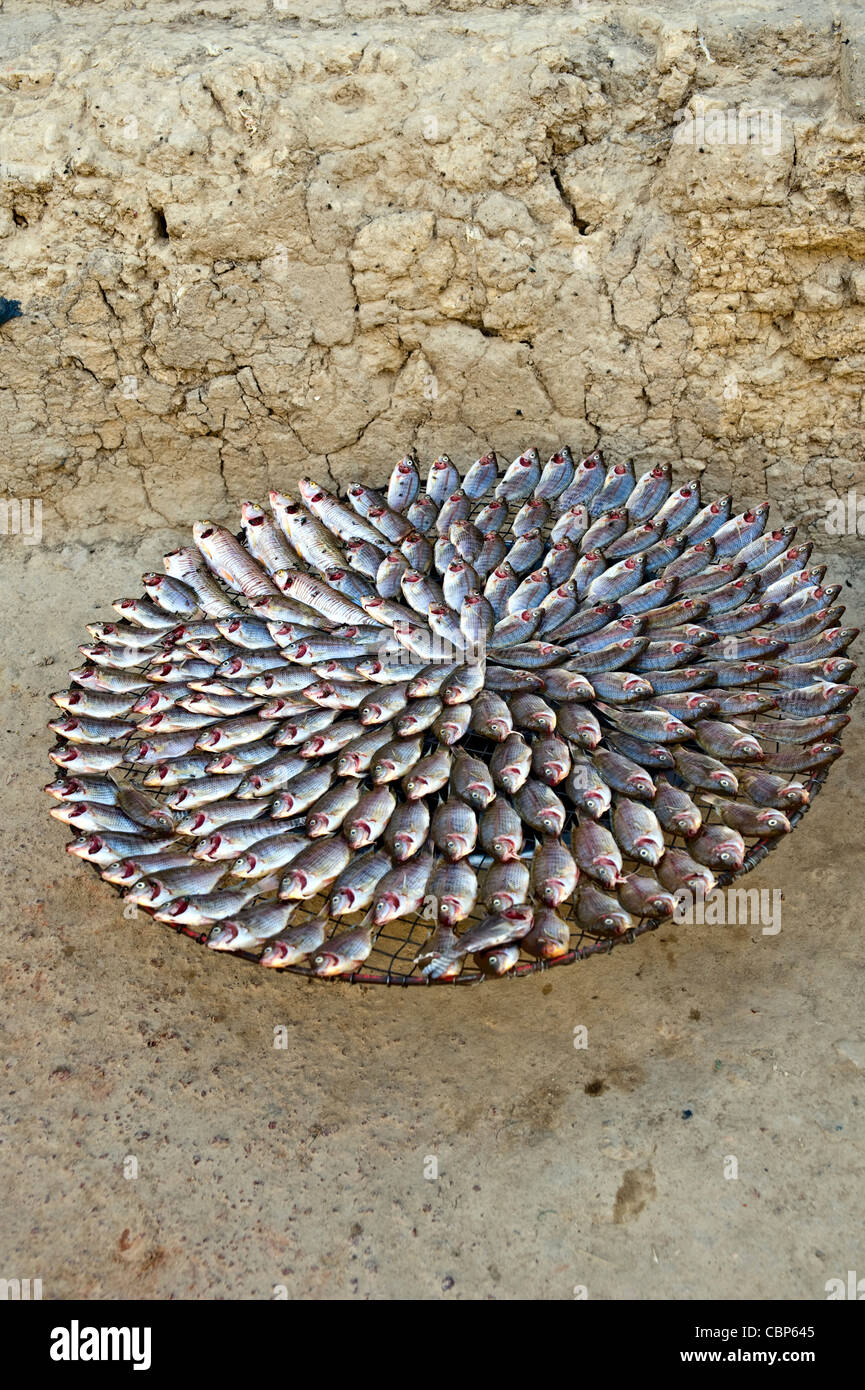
(251, 240)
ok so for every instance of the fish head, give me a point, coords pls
(498, 961)
(221, 937)
(326, 963)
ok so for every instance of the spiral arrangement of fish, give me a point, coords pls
(506, 709)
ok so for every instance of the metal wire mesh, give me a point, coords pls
(397, 944)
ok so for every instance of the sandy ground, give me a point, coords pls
(264, 1170)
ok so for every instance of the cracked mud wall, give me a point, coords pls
(257, 239)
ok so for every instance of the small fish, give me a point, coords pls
(472, 780)
(767, 789)
(579, 726)
(554, 872)
(481, 476)
(587, 480)
(87, 759)
(551, 759)
(407, 830)
(726, 741)
(540, 807)
(549, 938)
(804, 759)
(327, 814)
(265, 856)
(453, 722)
(705, 772)
(498, 961)
(675, 810)
(366, 822)
(203, 909)
(644, 897)
(453, 888)
(294, 944)
(234, 837)
(649, 493)
(530, 711)
(344, 953)
(821, 698)
(521, 478)
(511, 763)
(748, 820)
(570, 526)
(404, 484)
(557, 475)
(519, 626)
(440, 955)
(428, 775)
(158, 889)
(600, 913)
(623, 775)
(454, 829)
(638, 831)
(353, 890)
(315, 868)
(587, 789)
(719, 847)
(400, 893)
(596, 852)
(491, 717)
(500, 830)
(678, 869)
(505, 885)
(443, 478)
(615, 489)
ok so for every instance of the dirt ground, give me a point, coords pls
(305, 1170)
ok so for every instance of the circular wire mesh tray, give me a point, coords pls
(397, 944)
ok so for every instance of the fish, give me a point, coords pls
(549, 937)
(644, 897)
(675, 809)
(326, 815)
(678, 869)
(406, 831)
(749, 820)
(554, 872)
(354, 888)
(344, 953)
(505, 884)
(472, 780)
(638, 831)
(367, 819)
(511, 763)
(294, 944)
(453, 888)
(401, 891)
(428, 775)
(454, 829)
(314, 868)
(539, 807)
(265, 856)
(719, 847)
(600, 913)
